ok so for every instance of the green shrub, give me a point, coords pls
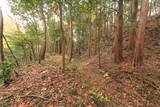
(98, 98)
(5, 72)
(79, 103)
(75, 68)
(142, 90)
(72, 91)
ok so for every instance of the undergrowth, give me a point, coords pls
(5, 72)
(98, 98)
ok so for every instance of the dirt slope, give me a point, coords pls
(83, 84)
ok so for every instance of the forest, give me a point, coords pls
(80, 53)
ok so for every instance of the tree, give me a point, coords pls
(139, 48)
(133, 20)
(1, 37)
(34, 12)
(70, 34)
(71, 37)
(117, 46)
(99, 34)
(62, 35)
(43, 50)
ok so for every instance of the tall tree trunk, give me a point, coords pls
(95, 42)
(44, 47)
(37, 40)
(150, 9)
(117, 46)
(44, 20)
(99, 47)
(98, 35)
(113, 17)
(60, 47)
(139, 49)
(63, 38)
(1, 37)
(89, 36)
(33, 50)
(133, 18)
(71, 35)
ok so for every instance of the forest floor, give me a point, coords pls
(84, 84)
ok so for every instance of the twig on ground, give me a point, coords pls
(5, 93)
(34, 96)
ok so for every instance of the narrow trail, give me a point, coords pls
(93, 74)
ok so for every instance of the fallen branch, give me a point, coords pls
(151, 83)
(5, 93)
(34, 96)
(7, 97)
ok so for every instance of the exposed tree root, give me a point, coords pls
(11, 95)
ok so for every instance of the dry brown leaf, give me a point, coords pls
(89, 106)
(49, 105)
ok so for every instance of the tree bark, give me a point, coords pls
(117, 45)
(89, 36)
(139, 49)
(44, 47)
(150, 9)
(99, 47)
(71, 35)
(133, 18)
(63, 38)
(33, 50)
(1, 37)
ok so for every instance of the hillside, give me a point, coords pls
(83, 84)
